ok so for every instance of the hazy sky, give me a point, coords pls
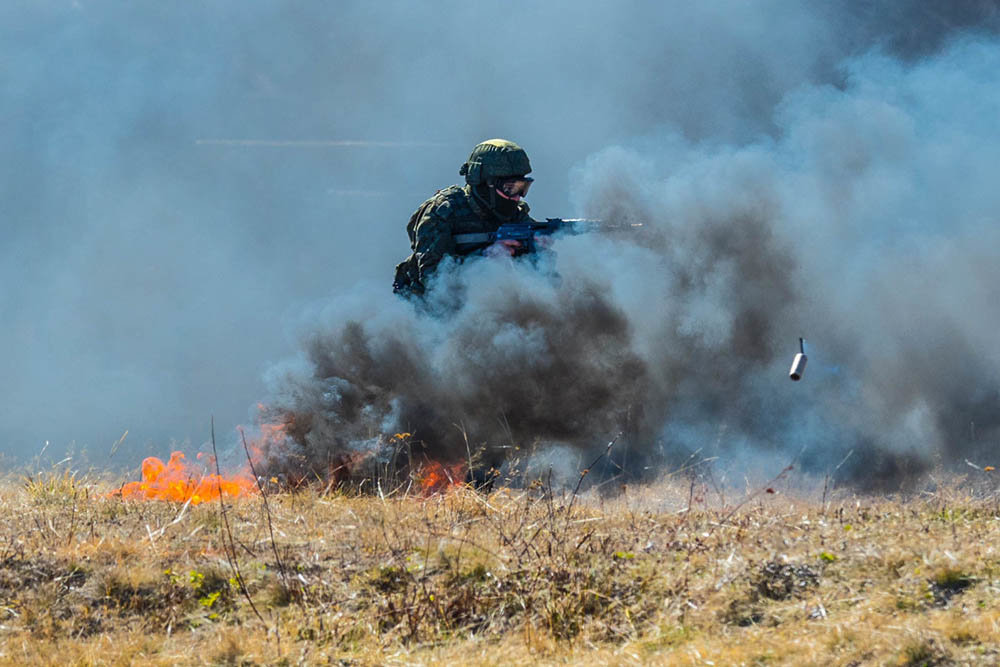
(175, 198)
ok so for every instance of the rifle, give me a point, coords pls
(526, 232)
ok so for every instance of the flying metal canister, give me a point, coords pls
(799, 363)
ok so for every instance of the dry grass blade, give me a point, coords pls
(267, 512)
(230, 546)
(586, 471)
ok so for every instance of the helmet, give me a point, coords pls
(493, 160)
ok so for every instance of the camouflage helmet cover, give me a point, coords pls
(494, 159)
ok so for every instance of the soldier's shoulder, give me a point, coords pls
(451, 192)
(449, 200)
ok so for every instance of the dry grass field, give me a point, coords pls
(666, 573)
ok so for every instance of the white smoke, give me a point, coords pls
(865, 226)
(180, 180)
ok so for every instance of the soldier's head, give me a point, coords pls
(498, 171)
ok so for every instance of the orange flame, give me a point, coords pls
(177, 481)
(437, 477)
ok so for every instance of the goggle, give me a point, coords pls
(515, 187)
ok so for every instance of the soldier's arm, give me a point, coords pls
(433, 240)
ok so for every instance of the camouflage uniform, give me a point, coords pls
(474, 208)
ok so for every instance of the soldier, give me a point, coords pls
(496, 181)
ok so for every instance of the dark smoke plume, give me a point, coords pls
(868, 226)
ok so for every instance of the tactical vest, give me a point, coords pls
(463, 215)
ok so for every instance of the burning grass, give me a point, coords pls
(180, 482)
(513, 576)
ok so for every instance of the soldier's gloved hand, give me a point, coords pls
(505, 248)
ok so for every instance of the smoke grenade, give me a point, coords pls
(798, 363)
